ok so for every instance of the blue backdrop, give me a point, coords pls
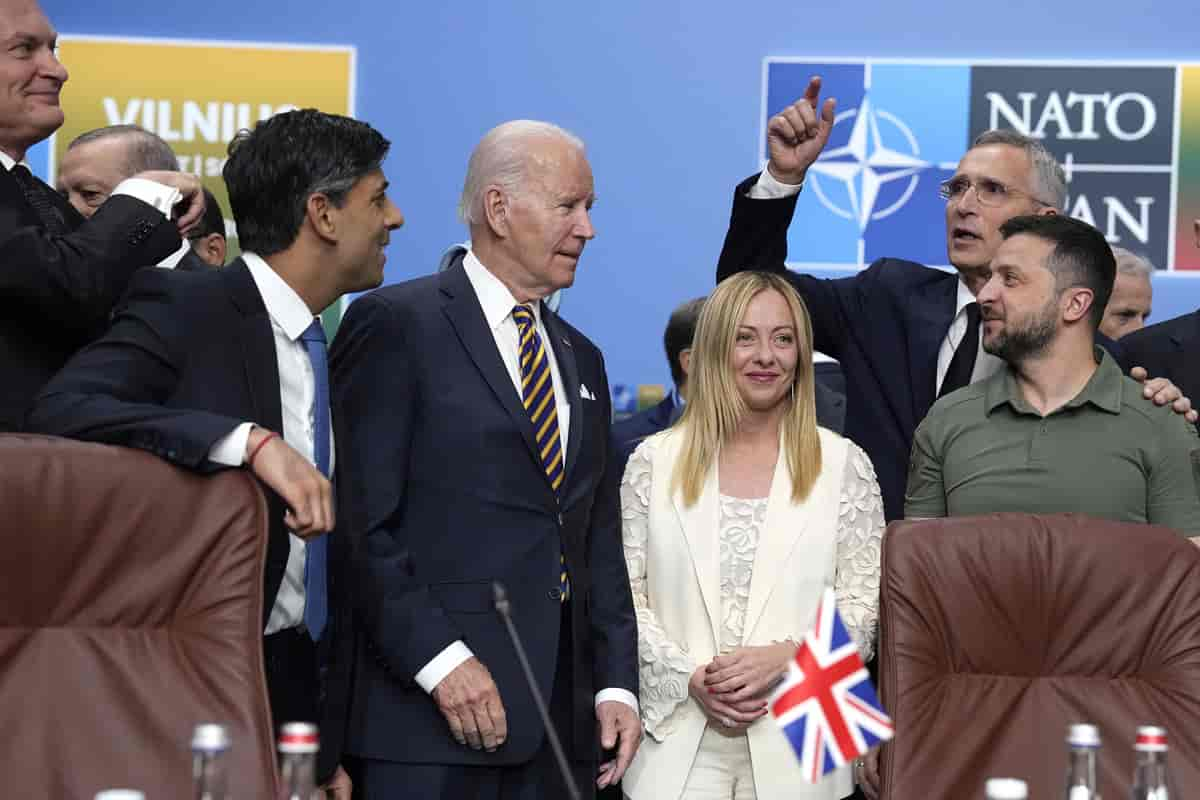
(666, 95)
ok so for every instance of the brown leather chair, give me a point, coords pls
(998, 631)
(130, 606)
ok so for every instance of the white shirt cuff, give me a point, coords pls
(172, 261)
(230, 449)
(769, 188)
(154, 193)
(620, 695)
(442, 665)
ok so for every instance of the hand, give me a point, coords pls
(339, 787)
(192, 200)
(470, 702)
(307, 493)
(866, 774)
(796, 135)
(733, 716)
(620, 727)
(748, 672)
(1163, 392)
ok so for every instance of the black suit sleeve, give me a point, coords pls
(757, 240)
(76, 279)
(613, 621)
(375, 406)
(114, 391)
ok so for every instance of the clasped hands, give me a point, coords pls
(733, 688)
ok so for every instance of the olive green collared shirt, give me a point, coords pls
(1107, 453)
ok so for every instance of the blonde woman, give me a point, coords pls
(735, 519)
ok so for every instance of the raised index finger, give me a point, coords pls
(813, 92)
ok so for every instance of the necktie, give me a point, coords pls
(537, 394)
(37, 194)
(962, 364)
(316, 601)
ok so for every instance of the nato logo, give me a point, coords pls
(901, 127)
(898, 132)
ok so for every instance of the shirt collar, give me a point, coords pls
(1103, 389)
(963, 299)
(494, 297)
(9, 162)
(172, 261)
(286, 308)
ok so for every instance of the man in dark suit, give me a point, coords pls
(61, 275)
(1170, 349)
(475, 430)
(677, 341)
(95, 164)
(209, 370)
(904, 333)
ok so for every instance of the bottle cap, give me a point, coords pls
(120, 794)
(298, 737)
(1082, 735)
(1151, 739)
(1006, 789)
(209, 737)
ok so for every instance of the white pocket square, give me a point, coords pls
(584, 393)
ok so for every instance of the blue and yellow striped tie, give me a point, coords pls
(537, 393)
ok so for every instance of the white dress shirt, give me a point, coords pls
(986, 364)
(152, 193)
(290, 317)
(497, 303)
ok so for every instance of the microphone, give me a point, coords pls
(504, 609)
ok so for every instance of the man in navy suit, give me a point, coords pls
(905, 334)
(677, 341)
(474, 424)
(226, 368)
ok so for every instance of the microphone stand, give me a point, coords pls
(504, 609)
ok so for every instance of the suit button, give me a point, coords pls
(554, 594)
(560, 522)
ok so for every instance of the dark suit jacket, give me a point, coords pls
(58, 291)
(884, 325)
(193, 263)
(189, 356)
(1169, 349)
(441, 494)
(628, 433)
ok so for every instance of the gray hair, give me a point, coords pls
(144, 151)
(1048, 176)
(502, 159)
(1130, 263)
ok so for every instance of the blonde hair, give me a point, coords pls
(715, 407)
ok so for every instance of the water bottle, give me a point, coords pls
(1150, 773)
(210, 771)
(1006, 789)
(1083, 742)
(298, 746)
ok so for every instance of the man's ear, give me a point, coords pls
(1077, 303)
(321, 214)
(685, 362)
(212, 249)
(495, 211)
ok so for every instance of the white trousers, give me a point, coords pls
(722, 769)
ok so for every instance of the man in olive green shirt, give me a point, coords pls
(1060, 429)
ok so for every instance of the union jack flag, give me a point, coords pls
(826, 704)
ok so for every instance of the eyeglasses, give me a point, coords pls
(987, 191)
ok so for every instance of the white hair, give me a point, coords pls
(1130, 263)
(502, 158)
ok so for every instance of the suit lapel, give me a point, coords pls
(784, 524)
(701, 525)
(932, 311)
(568, 369)
(462, 309)
(258, 345)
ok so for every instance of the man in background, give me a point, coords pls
(97, 161)
(61, 273)
(208, 237)
(1129, 307)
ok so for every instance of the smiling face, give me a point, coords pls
(31, 77)
(972, 227)
(765, 352)
(365, 221)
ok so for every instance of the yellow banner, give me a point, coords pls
(196, 95)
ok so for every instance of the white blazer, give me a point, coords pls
(794, 562)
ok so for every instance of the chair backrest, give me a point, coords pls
(998, 631)
(130, 610)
